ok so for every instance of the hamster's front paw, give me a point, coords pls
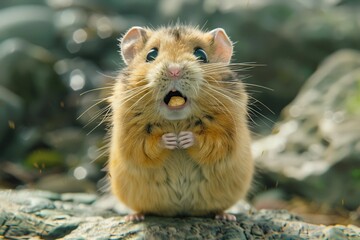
(169, 140)
(186, 140)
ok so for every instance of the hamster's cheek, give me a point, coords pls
(154, 75)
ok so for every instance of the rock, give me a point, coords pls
(315, 148)
(63, 183)
(271, 199)
(51, 51)
(85, 198)
(50, 218)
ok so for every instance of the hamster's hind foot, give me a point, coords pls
(136, 217)
(225, 216)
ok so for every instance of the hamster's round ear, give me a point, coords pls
(131, 42)
(222, 44)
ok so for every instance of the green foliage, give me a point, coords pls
(44, 158)
(353, 100)
(355, 173)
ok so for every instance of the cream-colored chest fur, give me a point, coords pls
(183, 180)
(182, 187)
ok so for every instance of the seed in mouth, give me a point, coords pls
(174, 99)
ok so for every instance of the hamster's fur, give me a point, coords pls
(214, 169)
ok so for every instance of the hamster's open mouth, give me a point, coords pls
(175, 100)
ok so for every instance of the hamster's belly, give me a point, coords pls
(183, 183)
(181, 187)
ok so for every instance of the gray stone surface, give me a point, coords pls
(30, 213)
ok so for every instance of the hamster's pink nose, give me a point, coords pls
(174, 70)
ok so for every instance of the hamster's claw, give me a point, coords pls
(225, 216)
(186, 140)
(136, 217)
(169, 141)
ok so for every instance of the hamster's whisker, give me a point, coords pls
(253, 91)
(130, 101)
(107, 76)
(258, 86)
(140, 83)
(195, 88)
(223, 70)
(134, 90)
(220, 91)
(250, 118)
(220, 65)
(252, 107)
(103, 120)
(235, 67)
(95, 89)
(99, 113)
(256, 112)
(209, 87)
(241, 69)
(234, 82)
(224, 109)
(248, 64)
(133, 94)
(92, 106)
(131, 97)
(157, 94)
(102, 152)
(134, 104)
(244, 77)
(212, 80)
(240, 81)
(261, 103)
(212, 69)
(103, 149)
(220, 84)
(139, 77)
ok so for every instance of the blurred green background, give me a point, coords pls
(53, 51)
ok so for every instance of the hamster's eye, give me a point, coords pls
(152, 54)
(200, 55)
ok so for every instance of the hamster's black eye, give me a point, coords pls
(152, 54)
(200, 55)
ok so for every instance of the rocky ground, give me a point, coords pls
(26, 214)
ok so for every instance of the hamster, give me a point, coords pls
(180, 142)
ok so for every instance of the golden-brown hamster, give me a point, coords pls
(180, 143)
